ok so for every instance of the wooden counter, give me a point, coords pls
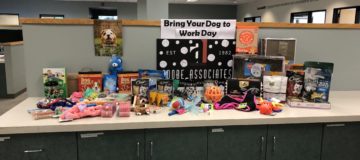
(157, 23)
(16, 43)
(345, 108)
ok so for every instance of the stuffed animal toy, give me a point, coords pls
(53, 104)
(76, 96)
(80, 111)
(115, 65)
(142, 111)
(91, 94)
(176, 103)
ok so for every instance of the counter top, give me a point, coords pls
(16, 43)
(345, 108)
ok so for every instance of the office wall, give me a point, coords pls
(15, 69)
(71, 46)
(194, 11)
(32, 8)
(282, 13)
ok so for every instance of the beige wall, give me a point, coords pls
(282, 13)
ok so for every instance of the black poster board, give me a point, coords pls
(195, 60)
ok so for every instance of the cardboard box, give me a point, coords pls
(124, 81)
(247, 39)
(90, 80)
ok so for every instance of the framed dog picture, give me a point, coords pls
(107, 37)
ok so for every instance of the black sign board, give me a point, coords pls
(196, 60)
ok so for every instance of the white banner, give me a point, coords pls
(197, 29)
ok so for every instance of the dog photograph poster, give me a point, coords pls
(108, 38)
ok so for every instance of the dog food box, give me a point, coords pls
(91, 80)
(54, 80)
(240, 86)
(124, 81)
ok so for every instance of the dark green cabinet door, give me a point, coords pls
(49, 146)
(176, 144)
(294, 142)
(5, 147)
(341, 142)
(237, 143)
(3, 89)
(111, 145)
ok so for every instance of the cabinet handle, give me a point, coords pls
(262, 145)
(217, 130)
(138, 150)
(33, 151)
(151, 149)
(91, 135)
(335, 125)
(274, 144)
(2, 139)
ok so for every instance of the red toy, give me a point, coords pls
(268, 108)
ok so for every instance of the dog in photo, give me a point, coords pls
(108, 38)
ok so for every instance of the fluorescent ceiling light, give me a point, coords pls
(192, 0)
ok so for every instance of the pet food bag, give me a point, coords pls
(295, 85)
(165, 85)
(317, 81)
(110, 83)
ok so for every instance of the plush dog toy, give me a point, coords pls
(115, 65)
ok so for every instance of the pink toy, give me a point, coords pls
(181, 111)
(124, 109)
(79, 111)
(76, 96)
(108, 110)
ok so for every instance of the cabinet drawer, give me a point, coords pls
(111, 145)
(5, 145)
(49, 146)
(294, 142)
(176, 144)
(237, 142)
(341, 141)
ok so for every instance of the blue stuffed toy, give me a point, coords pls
(115, 65)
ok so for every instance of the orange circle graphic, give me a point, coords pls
(246, 37)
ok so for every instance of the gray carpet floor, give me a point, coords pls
(6, 104)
